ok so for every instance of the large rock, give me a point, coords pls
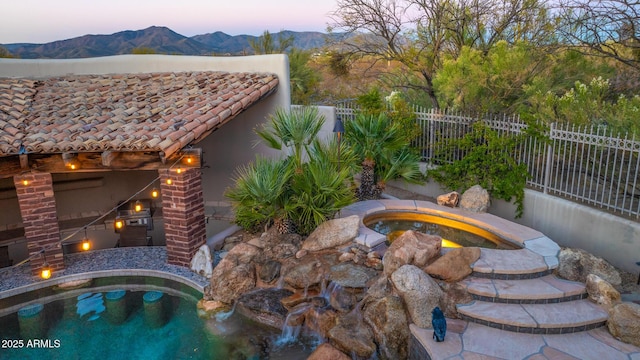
(388, 321)
(332, 233)
(270, 271)
(601, 292)
(234, 275)
(327, 352)
(450, 199)
(455, 265)
(353, 337)
(202, 262)
(264, 306)
(231, 284)
(412, 247)
(475, 199)
(419, 291)
(454, 294)
(575, 264)
(351, 275)
(624, 322)
(310, 271)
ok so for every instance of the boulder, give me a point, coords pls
(234, 275)
(475, 199)
(210, 307)
(575, 264)
(202, 262)
(270, 271)
(624, 322)
(231, 284)
(455, 265)
(420, 293)
(454, 294)
(321, 320)
(351, 275)
(601, 292)
(264, 306)
(327, 352)
(450, 199)
(388, 322)
(352, 336)
(412, 247)
(332, 233)
(310, 271)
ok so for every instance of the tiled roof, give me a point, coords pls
(161, 112)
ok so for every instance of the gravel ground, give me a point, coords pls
(129, 258)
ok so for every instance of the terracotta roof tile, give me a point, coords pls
(127, 112)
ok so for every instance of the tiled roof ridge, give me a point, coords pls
(162, 111)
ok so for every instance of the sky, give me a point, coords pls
(42, 21)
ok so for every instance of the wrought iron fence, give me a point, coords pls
(585, 164)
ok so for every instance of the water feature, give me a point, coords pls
(78, 323)
(454, 233)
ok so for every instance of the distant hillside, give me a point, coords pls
(162, 40)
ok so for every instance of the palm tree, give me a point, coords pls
(260, 192)
(295, 129)
(321, 189)
(297, 193)
(384, 153)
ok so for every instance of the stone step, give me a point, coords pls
(543, 290)
(558, 318)
(512, 264)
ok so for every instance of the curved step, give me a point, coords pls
(511, 264)
(543, 290)
(558, 318)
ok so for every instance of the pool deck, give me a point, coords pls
(521, 311)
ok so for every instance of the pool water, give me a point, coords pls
(80, 326)
(453, 233)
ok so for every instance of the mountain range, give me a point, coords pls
(158, 39)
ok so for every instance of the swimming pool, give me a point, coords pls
(453, 233)
(114, 319)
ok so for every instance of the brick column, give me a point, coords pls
(40, 219)
(183, 214)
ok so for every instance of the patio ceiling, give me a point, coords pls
(117, 122)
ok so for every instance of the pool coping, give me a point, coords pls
(541, 251)
(134, 261)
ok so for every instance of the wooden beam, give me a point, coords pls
(24, 161)
(107, 158)
(95, 162)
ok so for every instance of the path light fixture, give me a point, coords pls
(86, 244)
(45, 271)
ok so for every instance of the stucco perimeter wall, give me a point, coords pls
(567, 223)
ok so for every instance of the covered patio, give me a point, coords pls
(75, 147)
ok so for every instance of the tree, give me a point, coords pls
(487, 161)
(609, 29)
(383, 152)
(294, 129)
(266, 44)
(304, 80)
(301, 191)
(143, 50)
(4, 53)
(419, 34)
